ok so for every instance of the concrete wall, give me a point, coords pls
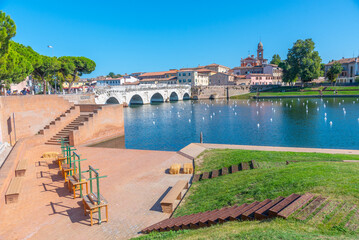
(218, 91)
(106, 122)
(85, 98)
(29, 113)
(211, 92)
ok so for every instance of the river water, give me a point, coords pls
(304, 122)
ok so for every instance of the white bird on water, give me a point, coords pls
(271, 120)
(331, 123)
(154, 122)
(189, 120)
(258, 125)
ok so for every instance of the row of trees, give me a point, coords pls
(304, 63)
(18, 61)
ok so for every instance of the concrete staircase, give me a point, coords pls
(74, 125)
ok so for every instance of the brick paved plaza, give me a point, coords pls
(135, 185)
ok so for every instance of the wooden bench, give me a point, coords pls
(21, 168)
(175, 168)
(74, 184)
(90, 206)
(13, 191)
(60, 160)
(187, 168)
(174, 194)
(66, 170)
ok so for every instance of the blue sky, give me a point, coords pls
(132, 36)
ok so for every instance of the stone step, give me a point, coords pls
(295, 205)
(273, 212)
(353, 223)
(244, 166)
(308, 210)
(326, 210)
(340, 214)
(237, 214)
(249, 214)
(262, 213)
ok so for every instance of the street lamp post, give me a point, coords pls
(49, 46)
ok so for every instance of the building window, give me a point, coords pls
(189, 80)
(180, 80)
(184, 80)
(189, 74)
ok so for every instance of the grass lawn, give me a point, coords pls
(333, 179)
(218, 158)
(342, 88)
(294, 94)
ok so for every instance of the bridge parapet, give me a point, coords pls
(143, 94)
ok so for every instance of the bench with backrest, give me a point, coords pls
(174, 194)
(13, 191)
(90, 206)
(21, 168)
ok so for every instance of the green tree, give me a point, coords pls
(15, 66)
(334, 71)
(47, 67)
(76, 66)
(322, 69)
(7, 31)
(111, 74)
(303, 61)
(288, 74)
(276, 59)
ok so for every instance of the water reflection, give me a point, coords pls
(276, 122)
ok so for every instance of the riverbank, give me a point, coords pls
(322, 174)
(307, 92)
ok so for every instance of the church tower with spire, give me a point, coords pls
(260, 52)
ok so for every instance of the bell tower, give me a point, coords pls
(260, 52)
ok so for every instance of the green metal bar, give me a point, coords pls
(98, 199)
(96, 177)
(90, 174)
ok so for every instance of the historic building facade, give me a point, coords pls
(257, 70)
(350, 69)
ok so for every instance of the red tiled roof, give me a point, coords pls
(216, 65)
(159, 79)
(344, 60)
(158, 73)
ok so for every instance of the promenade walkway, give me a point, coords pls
(135, 185)
(195, 149)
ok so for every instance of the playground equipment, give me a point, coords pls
(94, 201)
(62, 157)
(77, 180)
(68, 168)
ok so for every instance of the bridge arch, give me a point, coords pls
(136, 100)
(157, 98)
(186, 96)
(112, 100)
(173, 97)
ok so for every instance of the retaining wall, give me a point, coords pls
(106, 122)
(24, 116)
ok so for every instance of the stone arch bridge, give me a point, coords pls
(142, 94)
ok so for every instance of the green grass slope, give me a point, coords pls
(320, 174)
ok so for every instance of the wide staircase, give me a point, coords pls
(307, 207)
(65, 132)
